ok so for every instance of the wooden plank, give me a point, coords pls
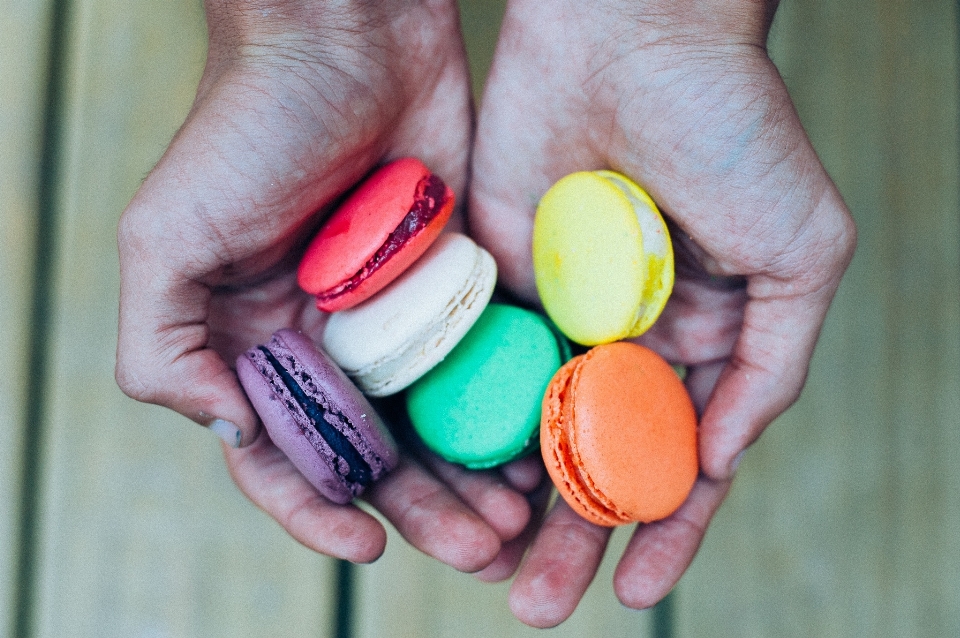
(23, 48)
(408, 594)
(845, 519)
(480, 21)
(143, 532)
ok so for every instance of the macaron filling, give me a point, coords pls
(327, 428)
(655, 248)
(430, 196)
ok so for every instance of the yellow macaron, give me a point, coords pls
(602, 257)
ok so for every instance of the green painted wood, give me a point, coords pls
(142, 531)
(23, 78)
(408, 594)
(845, 519)
(480, 21)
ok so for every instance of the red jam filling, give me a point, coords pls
(428, 201)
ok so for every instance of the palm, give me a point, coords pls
(297, 124)
(706, 126)
(293, 109)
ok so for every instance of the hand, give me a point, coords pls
(682, 97)
(297, 102)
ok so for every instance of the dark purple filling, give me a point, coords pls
(358, 471)
(430, 196)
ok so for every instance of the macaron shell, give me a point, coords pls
(588, 258)
(380, 278)
(395, 337)
(480, 406)
(373, 437)
(359, 228)
(628, 429)
(286, 435)
(657, 250)
(558, 457)
(287, 428)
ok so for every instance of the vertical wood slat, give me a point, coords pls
(142, 531)
(23, 80)
(408, 594)
(480, 22)
(845, 520)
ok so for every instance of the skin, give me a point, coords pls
(297, 102)
(299, 99)
(683, 98)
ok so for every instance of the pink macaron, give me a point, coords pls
(379, 230)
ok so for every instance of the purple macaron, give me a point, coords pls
(316, 416)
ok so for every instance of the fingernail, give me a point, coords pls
(227, 431)
(736, 461)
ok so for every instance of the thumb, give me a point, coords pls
(224, 205)
(163, 356)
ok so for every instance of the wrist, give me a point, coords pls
(674, 22)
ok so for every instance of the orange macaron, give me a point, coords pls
(618, 434)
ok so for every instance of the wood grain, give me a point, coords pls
(23, 79)
(845, 520)
(143, 533)
(480, 21)
(408, 594)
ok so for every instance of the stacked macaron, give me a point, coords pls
(475, 374)
(480, 406)
(401, 297)
(618, 429)
(485, 383)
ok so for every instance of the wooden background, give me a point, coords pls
(118, 519)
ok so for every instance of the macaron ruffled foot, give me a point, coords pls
(316, 416)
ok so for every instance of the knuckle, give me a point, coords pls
(133, 383)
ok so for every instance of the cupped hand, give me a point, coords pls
(682, 97)
(298, 100)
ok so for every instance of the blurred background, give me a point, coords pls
(119, 519)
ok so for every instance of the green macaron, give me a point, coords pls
(480, 406)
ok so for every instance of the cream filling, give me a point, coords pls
(656, 248)
(392, 374)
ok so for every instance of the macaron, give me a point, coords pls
(619, 435)
(480, 406)
(392, 339)
(316, 416)
(602, 257)
(377, 232)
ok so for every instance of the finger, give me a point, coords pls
(268, 479)
(432, 519)
(769, 363)
(511, 552)
(559, 567)
(659, 553)
(503, 508)
(163, 358)
(701, 381)
(525, 474)
(700, 323)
